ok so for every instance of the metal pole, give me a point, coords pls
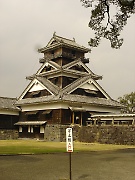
(70, 169)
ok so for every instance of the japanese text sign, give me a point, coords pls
(69, 140)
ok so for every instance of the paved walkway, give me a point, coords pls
(119, 165)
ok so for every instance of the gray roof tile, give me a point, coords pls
(71, 98)
(8, 103)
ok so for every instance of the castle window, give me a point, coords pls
(48, 114)
(52, 53)
(32, 115)
(73, 53)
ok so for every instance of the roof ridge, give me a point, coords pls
(54, 35)
(52, 87)
(61, 41)
(77, 82)
(71, 63)
(4, 97)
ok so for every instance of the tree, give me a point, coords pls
(128, 100)
(108, 18)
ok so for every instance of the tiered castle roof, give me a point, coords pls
(64, 77)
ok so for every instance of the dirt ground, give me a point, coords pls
(115, 165)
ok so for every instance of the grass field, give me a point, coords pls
(40, 147)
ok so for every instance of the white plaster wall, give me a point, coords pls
(36, 87)
(45, 106)
(67, 105)
(20, 128)
(9, 112)
(42, 129)
(89, 86)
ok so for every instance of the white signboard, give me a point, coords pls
(69, 140)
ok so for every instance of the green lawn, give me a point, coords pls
(40, 147)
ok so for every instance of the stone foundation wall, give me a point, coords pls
(8, 134)
(108, 134)
(55, 132)
(91, 134)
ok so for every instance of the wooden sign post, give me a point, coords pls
(69, 146)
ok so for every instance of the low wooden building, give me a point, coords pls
(63, 91)
(112, 119)
(9, 113)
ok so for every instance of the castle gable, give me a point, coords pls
(57, 41)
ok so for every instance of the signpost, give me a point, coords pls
(69, 146)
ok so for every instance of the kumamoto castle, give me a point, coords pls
(64, 92)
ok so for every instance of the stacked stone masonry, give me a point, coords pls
(8, 134)
(90, 134)
(108, 134)
(102, 134)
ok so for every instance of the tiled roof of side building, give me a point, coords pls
(8, 103)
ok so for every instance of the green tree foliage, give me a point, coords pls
(129, 101)
(108, 18)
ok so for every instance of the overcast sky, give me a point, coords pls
(26, 25)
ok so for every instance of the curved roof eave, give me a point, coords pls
(54, 46)
(70, 99)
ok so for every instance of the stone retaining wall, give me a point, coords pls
(90, 134)
(108, 134)
(8, 134)
(55, 132)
